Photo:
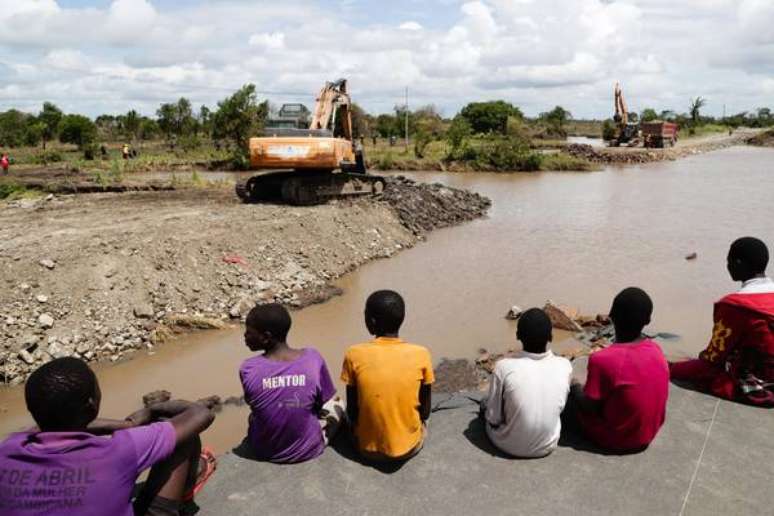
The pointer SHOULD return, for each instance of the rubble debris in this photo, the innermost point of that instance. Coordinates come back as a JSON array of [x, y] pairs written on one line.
[[129, 287], [562, 318], [48, 264]]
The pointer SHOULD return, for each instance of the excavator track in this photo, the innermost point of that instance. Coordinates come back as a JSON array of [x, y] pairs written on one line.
[[308, 188]]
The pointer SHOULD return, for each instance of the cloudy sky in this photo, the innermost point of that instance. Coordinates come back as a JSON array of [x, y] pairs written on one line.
[[109, 56]]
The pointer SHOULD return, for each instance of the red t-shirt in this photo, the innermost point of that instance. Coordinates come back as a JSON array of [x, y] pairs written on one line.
[[632, 382]]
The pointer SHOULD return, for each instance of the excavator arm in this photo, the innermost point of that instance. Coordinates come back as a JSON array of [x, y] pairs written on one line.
[[332, 106], [621, 113]]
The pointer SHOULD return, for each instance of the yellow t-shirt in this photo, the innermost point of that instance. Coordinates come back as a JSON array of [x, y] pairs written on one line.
[[388, 373]]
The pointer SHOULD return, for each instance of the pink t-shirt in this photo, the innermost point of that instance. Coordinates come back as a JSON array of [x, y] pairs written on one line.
[[632, 382], [76, 473]]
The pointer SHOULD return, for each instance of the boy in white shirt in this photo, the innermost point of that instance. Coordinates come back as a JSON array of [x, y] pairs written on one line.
[[527, 393]]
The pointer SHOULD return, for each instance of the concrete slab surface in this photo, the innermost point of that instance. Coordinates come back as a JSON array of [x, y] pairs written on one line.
[[711, 457]]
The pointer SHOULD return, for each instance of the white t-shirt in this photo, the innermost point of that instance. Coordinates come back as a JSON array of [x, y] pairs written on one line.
[[526, 397]]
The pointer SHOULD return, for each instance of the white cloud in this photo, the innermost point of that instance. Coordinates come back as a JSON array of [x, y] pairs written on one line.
[[136, 53], [272, 41], [410, 25]]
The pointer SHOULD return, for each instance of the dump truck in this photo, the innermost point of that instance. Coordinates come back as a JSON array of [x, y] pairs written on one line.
[[659, 134], [309, 165]]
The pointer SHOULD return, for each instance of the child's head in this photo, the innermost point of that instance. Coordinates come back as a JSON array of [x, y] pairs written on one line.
[[534, 330], [630, 313], [266, 326], [384, 312], [63, 395], [747, 258]]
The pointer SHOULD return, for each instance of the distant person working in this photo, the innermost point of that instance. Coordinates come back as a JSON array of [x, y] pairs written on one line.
[[738, 363], [527, 394]]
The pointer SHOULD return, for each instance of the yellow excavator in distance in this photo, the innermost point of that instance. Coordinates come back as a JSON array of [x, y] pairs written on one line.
[[627, 133], [309, 165]]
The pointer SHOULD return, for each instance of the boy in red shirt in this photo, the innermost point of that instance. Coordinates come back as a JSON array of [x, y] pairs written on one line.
[[623, 404], [4, 163], [738, 363]]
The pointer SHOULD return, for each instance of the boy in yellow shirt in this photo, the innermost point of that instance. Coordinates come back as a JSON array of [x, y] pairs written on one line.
[[388, 384]]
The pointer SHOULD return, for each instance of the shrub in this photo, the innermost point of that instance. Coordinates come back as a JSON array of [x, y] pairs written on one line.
[[190, 142], [46, 157]]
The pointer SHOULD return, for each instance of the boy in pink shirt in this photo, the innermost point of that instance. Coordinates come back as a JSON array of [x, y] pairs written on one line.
[[623, 403], [76, 464]]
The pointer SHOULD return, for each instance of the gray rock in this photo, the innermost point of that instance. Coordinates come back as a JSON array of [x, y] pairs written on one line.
[[41, 298], [47, 263], [143, 311], [55, 350], [46, 321], [26, 356]]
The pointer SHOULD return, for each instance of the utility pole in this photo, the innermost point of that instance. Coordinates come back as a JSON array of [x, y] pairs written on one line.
[[405, 116]]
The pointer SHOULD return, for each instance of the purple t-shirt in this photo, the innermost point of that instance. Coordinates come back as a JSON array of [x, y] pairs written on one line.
[[285, 399], [76, 473]]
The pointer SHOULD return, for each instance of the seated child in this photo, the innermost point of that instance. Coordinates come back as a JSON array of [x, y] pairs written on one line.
[[293, 411], [67, 466], [738, 363], [623, 404], [527, 394], [388, 384]]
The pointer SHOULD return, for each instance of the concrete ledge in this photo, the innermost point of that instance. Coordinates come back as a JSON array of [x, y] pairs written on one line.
[[459, 472]]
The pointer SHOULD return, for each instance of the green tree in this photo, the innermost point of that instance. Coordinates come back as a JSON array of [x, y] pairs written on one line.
[[608, 130], [13, 127], [107, 127], [185, 123], [50, 116], [458, 132], [648, 115], [490, 117], [33, 132], [239, 117], [387, 125], [166, 115], [78, 130], [556, 120], [205, 120], [131, 124], [695, 109], [359, 121], [148, 128]]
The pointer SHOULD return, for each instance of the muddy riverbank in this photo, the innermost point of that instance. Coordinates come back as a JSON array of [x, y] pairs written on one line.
[[100, 276]]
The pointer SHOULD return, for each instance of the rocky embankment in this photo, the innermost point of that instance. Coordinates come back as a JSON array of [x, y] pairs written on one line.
[[764, 139], [636, 155], [100, 276]]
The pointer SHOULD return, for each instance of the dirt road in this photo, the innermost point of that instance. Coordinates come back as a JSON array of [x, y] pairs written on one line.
[[102, 275]]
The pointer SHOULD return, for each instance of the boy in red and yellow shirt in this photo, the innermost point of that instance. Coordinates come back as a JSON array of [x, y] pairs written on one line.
[[738, 363]]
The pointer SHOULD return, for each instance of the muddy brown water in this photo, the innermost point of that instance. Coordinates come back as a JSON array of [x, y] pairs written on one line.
[[573, 238]]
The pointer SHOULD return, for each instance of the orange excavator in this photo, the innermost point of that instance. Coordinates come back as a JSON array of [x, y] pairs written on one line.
[[309, 165]]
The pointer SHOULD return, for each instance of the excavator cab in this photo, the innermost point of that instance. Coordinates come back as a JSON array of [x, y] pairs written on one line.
[[311, 165]]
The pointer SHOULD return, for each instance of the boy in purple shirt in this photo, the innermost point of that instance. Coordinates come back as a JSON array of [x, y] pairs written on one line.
[[294, 411], [76, 464]]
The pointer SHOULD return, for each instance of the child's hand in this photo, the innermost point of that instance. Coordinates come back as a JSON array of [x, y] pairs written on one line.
[[141, 417]]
